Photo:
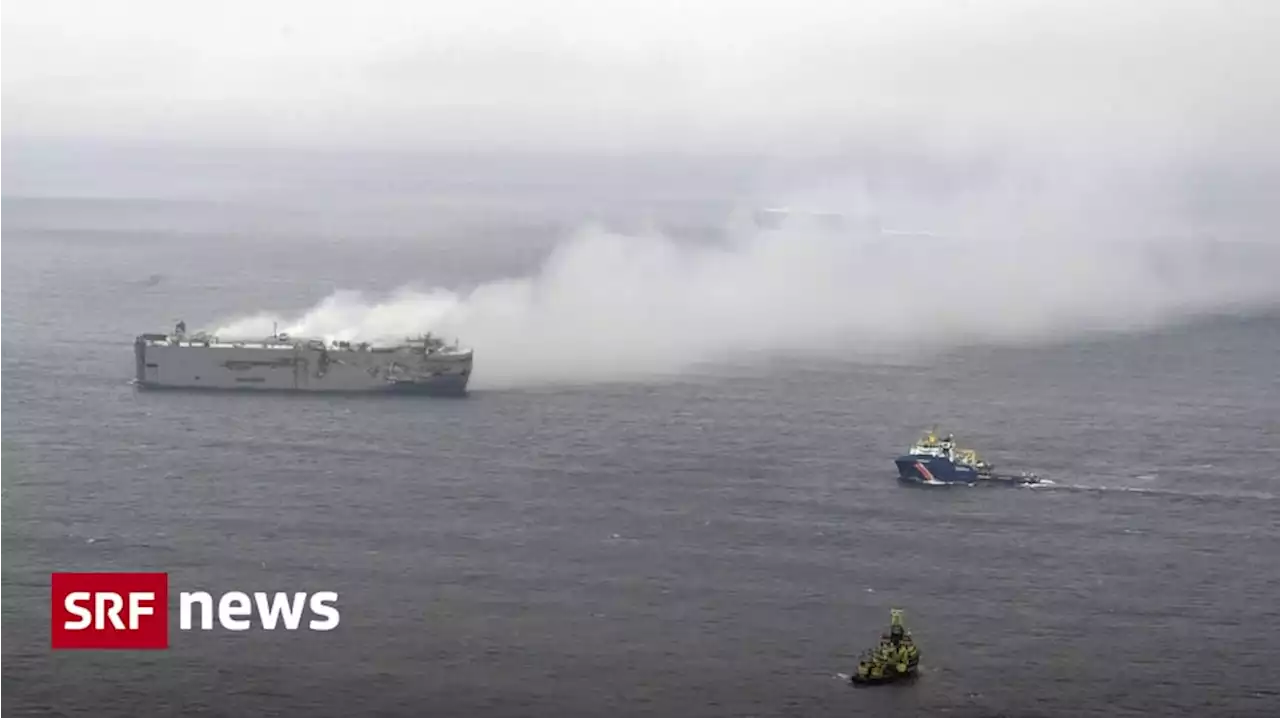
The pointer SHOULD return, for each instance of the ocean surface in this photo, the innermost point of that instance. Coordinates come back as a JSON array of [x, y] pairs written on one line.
[[715, 544]]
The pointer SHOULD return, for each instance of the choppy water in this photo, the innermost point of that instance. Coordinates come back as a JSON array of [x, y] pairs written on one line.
[[715, 546]]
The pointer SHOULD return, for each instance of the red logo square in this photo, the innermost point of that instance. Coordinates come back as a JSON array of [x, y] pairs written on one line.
[[110, 610]]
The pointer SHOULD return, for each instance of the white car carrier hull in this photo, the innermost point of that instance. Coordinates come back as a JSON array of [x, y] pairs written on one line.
[[282, 364]]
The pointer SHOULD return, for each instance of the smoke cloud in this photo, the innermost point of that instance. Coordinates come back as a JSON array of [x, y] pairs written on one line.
[[605, 306]]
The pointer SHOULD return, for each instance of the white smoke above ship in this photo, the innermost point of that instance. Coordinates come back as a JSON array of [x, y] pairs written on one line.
[[605, 305]]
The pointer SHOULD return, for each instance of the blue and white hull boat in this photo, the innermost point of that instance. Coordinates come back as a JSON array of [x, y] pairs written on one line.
[[934, 462]]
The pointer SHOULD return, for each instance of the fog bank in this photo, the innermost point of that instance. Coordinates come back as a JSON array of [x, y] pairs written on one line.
[[1163, 76]]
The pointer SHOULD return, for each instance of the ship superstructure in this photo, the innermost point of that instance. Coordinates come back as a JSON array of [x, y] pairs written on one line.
[[423, 364]]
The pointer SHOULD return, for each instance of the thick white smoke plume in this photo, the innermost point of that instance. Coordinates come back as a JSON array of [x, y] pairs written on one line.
[[605, 306]]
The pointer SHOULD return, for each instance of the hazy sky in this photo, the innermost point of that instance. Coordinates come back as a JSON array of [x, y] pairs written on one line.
[[796, 76]]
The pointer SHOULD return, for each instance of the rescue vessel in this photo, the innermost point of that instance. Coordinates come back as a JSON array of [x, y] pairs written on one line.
[[896, 659], [933, 462]]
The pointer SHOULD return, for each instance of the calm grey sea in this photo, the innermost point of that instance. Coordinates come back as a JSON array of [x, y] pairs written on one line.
[[717, 545]]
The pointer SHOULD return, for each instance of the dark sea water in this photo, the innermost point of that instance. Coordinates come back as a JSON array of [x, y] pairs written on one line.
[[715, 545]]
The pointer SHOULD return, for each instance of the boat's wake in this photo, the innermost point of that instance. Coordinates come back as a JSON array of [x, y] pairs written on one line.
[[1149, 491], [1054, 486]]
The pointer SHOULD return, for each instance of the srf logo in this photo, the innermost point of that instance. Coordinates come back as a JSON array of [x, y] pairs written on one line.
[[110, 610], [131, 610]]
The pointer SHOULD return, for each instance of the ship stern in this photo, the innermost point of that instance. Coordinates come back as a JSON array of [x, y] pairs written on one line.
[[445, 376], [444, 385]]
